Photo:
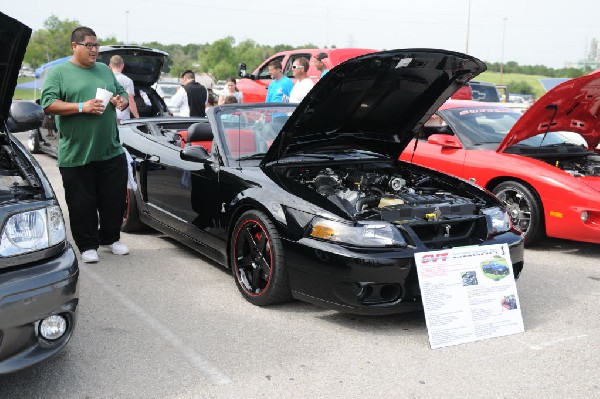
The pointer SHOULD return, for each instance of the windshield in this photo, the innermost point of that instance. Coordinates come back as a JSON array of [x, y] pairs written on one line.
[[490, 125], [250, 131]]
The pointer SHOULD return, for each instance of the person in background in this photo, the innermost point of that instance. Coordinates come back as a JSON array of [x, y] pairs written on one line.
[[230, 100], [211, 101], [192, 97], [116, 64], [280, 87], [320, 65], [303, 82], [231, 89], [91, 159]]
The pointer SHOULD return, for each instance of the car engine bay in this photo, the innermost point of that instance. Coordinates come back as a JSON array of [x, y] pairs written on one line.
[[16, 182], [405, 197], [581, 166]]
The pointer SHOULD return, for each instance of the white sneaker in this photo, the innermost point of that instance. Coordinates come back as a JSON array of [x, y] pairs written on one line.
[[117, 248], [89, 256]]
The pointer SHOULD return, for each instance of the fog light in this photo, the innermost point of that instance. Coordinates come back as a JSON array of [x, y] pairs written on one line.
[[584, 216], [53, 327]]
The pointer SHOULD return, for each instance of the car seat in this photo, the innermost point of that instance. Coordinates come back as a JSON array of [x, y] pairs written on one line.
[[241, 141], [199, 133]]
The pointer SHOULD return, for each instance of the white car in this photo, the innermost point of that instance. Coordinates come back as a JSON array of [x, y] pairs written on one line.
[[167, 90]]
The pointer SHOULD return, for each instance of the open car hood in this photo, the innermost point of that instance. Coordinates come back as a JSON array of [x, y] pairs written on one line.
[[143, 65], [572, 106], [14, 37], [375, 102]]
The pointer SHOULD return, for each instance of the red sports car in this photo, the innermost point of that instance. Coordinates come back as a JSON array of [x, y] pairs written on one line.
[[544, 164]]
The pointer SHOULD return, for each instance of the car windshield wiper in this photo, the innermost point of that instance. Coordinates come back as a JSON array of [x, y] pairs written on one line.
[[563, 144], [258, 155]]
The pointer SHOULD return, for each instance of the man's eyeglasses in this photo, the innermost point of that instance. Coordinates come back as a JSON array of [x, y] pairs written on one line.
[[89, 46], [297, 66]]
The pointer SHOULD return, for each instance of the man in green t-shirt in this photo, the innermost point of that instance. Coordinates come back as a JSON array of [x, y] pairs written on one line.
[[91, 160]]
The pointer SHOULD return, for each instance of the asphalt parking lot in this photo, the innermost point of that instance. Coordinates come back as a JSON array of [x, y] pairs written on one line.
[[164, 322]]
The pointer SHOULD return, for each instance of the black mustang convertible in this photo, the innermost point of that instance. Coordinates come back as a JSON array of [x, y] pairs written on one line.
[[309, 200]]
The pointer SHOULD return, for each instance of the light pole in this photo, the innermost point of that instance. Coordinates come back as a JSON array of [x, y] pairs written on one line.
[[502, 56], [126, 27], [468, 24]]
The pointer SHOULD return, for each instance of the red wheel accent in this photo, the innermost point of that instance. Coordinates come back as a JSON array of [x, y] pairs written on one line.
[[253, 257]]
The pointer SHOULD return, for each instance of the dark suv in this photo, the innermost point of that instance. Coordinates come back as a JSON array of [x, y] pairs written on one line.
[[484, 91], [143, 65], [38, 268]]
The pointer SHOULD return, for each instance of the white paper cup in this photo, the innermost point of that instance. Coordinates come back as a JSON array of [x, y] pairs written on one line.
[[104, 95]]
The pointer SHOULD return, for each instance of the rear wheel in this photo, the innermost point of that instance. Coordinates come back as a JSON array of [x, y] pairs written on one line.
[[131, 218], [33, 143], [257, 260], [524, 208]]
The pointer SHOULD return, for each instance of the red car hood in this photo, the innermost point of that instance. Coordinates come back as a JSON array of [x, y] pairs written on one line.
[[572, 106], [591, 181]]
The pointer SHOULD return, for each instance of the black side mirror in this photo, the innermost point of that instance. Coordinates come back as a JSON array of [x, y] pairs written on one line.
[[195, 153], [242, 72], [23, 116]]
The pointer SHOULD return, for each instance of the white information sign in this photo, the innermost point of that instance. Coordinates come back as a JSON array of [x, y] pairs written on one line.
[[469, 294]]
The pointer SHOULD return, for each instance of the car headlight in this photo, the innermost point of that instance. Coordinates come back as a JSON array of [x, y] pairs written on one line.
[[498, 220], [32, 230], [364, 233]]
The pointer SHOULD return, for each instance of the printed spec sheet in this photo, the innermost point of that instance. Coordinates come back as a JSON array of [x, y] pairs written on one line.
[[469, 294]]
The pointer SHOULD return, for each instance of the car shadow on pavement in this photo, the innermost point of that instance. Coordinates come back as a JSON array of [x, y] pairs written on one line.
[[584, 249]]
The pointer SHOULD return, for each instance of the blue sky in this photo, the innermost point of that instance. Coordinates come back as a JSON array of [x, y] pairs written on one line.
[[526, 31]]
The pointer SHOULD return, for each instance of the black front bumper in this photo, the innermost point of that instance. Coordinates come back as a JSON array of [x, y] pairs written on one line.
[[28, 294], [376, 282]]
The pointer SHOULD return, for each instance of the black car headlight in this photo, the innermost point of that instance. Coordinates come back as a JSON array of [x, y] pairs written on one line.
[[498, 220], [363, 233], [32, 231]]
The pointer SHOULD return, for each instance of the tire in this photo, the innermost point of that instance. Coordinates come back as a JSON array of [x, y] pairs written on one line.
[[131, 218], [33, 143], [257, 260], [524, 207]]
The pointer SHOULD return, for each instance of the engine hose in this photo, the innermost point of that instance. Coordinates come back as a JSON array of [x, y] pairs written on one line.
[[362, 202]]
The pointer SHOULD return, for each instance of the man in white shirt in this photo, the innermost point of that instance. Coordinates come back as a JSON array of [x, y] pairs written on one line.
[[303, 82], [116, 64], [191, 98]]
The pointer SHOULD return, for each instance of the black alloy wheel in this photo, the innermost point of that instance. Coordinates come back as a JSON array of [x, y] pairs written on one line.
[[524, 207], [257, 261], [131, 218]]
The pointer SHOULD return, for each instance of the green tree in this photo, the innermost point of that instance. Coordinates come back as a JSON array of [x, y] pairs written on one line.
[[50, 43], [218, 58], [53, 41], [521, 87]]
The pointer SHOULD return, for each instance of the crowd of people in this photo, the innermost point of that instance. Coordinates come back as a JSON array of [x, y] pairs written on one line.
[[281, 88]]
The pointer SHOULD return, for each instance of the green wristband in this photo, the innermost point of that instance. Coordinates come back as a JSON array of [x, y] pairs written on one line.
[[80, 107]]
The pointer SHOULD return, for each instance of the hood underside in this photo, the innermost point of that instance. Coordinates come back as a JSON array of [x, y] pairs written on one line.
[[143, 65], [374, 102], [573, 106], [14, 37]]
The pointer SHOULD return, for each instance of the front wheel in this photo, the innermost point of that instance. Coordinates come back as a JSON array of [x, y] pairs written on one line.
[[33, 143], [524, 207], [257, 260]]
